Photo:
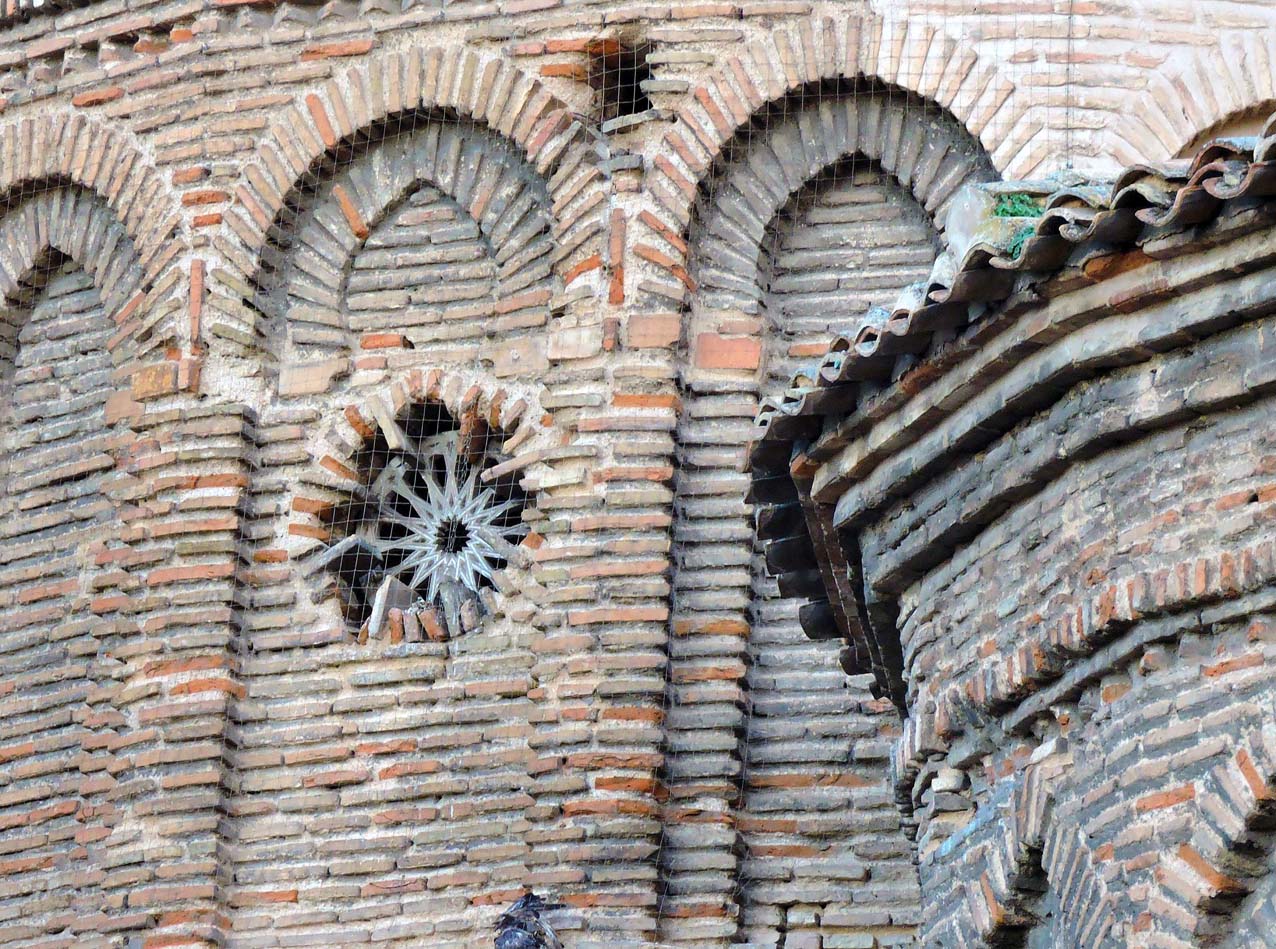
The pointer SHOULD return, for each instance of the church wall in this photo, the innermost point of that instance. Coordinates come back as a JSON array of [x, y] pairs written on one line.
[[295, 221], [1083, 601]]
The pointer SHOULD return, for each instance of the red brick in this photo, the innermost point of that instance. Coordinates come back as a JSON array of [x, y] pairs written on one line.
[[338, 49], [1219, 882], [330, 779], [155, 380], [262, 897], [1249, 661], [97, 97], [653, 330], [576, 71], [208, 196], [322, 124], [204, 571], [1161, 799], [592, 262], [385, 341], [357, 225], [648, 253], [713, 351]]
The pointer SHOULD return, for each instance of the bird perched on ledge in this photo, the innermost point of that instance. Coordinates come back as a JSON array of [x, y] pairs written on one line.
[[521, 926]]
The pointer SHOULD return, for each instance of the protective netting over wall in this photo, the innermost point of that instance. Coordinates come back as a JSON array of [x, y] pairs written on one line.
[[418, 541], [831, 201], [376, 384]]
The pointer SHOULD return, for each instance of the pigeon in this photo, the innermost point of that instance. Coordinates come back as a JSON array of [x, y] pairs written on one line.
[[521, 927]]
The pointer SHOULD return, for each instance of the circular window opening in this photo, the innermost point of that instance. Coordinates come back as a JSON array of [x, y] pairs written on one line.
[[432, 523]]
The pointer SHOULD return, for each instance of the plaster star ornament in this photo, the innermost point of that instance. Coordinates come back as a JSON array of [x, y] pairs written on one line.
[[429, 531], [453, 534]]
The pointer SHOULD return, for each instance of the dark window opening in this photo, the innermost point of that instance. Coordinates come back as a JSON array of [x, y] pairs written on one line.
[[429, 526], [618, 71], [453, 536]]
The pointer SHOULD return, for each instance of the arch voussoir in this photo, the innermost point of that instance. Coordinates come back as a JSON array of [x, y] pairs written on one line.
[[75, 184], [363, 104], [918, 58]]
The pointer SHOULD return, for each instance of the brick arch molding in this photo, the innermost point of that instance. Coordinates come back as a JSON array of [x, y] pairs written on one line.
[[1234, 806], [78, 223], [745, 188], [1210, 880], [1200, 92], [68, 153], [458, 80], [508, 204], [912, 56], [995, 908], [929, 156]]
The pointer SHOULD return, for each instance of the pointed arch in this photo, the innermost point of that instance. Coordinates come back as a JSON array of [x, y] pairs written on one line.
[[455, 181], [76, 154], [924, 150], [1016, 875], [323, 128], [1246, 122], [803, 54], [68, 220], [767, 166], [69, 266], [1183, 104]]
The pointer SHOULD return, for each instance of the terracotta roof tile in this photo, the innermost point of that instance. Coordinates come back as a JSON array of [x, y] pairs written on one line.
[[1010, 244], [995, 252]]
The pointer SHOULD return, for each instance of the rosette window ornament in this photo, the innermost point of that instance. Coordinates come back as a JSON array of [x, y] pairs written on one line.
[[430, 526]]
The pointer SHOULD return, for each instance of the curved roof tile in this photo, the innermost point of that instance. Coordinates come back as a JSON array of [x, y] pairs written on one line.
[[995, 252]]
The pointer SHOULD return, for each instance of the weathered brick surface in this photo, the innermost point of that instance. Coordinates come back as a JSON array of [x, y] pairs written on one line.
[[68, 731], [116, 670], [1082, 593], [237, 236], [811, 822]]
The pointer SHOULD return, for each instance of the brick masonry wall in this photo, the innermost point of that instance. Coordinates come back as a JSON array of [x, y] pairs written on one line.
[[1087, 638], [850, 240], [825, 854], [1144, 727], [808, 820], [56, 712], [275, 223], [745, 270]]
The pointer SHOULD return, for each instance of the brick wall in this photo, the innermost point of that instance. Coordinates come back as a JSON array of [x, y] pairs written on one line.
[[57, 711], [1083, 597], [825, 854], [238, 236]]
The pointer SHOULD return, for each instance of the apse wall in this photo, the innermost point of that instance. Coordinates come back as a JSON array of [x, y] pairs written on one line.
[[1088, 581]]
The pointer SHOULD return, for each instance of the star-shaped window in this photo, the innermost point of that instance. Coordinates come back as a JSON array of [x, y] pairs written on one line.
[[430, 525]]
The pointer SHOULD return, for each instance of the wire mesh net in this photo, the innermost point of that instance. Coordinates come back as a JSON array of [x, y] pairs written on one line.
[[817, 210], [821, 213], [415, 547]]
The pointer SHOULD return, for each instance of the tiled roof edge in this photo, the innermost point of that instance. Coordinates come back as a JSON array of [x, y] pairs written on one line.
[[995, 252]]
